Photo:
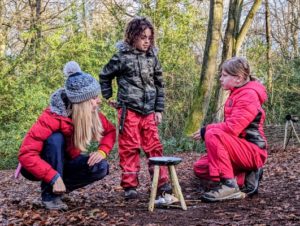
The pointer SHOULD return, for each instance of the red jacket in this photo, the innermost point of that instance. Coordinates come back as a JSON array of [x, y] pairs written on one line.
[[244, 115], [48, 123]]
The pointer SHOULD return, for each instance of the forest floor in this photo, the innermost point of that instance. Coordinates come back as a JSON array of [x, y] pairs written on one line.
[[102, 203]]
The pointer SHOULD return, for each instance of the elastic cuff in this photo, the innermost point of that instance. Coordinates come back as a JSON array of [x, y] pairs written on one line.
[[54, 179], [104, 155]]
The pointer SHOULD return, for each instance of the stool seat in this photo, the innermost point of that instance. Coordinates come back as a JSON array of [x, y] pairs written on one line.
[[165, 161], [169, 162]]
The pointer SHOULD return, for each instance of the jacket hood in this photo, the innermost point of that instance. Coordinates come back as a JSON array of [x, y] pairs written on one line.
[[123, 46], [259, 88], [59, 103]]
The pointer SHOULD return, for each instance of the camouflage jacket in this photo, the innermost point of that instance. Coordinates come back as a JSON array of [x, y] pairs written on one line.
[[139, 78]]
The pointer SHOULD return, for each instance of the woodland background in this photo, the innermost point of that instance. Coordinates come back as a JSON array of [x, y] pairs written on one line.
[[37, 37]]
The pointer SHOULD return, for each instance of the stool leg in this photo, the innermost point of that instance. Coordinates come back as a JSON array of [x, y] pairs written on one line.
[[174, 189], [154, 188], [177, 187]]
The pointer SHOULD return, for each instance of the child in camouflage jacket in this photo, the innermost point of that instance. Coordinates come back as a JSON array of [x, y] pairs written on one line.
[[140, 102]]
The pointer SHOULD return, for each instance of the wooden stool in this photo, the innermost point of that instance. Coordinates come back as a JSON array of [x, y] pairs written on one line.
[[170, 162]]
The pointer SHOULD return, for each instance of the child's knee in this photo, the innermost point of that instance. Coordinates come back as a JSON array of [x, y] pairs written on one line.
[[100, 170], [214, 133]]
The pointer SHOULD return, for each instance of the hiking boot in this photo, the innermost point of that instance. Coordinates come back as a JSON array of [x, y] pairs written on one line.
[[206, 185], [252, 182], [55, 204], [165, 188], [130, 193], [227, 190]]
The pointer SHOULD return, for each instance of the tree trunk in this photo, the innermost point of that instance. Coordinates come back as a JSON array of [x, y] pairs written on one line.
[[2, 33], [294, 24], [203, 93], [269, 45], [235, 38], [231, 33], [242, 34]]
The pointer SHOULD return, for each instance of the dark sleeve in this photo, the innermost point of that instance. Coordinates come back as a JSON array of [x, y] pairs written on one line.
[[202, 132], [108, 73], [160, 86]]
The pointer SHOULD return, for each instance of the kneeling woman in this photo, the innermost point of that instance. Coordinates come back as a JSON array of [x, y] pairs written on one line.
[[52, 149]]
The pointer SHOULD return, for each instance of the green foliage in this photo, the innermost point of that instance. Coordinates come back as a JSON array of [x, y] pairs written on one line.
[[28, 77], [173, 145], [26, 84]]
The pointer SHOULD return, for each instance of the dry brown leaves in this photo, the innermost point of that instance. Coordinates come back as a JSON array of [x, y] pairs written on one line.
[[102, 203]]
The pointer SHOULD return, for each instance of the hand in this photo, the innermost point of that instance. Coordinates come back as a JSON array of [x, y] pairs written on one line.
[[112, 103], [158, 117], [94, 158], [197, 135], [59, 186]]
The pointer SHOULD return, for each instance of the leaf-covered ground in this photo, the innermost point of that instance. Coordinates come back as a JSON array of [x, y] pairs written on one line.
[[102, 203]]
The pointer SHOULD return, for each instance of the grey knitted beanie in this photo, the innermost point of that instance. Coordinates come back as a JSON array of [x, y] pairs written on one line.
[[79, 86]]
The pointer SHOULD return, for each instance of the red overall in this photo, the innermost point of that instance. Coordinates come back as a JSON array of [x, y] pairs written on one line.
[[228, 154], [140, 131]]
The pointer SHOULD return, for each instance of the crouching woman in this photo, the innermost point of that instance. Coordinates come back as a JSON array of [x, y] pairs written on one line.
[[53, 150]]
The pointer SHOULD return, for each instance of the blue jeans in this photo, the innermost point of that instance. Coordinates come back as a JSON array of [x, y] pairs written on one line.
[[76, 173]]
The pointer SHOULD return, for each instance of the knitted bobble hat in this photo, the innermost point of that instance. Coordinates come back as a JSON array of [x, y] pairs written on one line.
[[79, 86]]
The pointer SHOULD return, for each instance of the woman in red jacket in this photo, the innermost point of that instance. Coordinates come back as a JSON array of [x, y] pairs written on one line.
[[236, 147], [52, 149]]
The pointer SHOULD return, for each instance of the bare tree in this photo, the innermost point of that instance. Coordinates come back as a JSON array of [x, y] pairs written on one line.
[[285, 15]]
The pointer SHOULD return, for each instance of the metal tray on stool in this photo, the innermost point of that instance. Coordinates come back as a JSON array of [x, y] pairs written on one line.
[[165, 160]]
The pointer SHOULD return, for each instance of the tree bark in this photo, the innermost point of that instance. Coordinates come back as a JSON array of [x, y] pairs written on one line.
[[2, 32], [243, 31], [231, 33], [203, 94], [269, 45], [294, 25], [234, 38]]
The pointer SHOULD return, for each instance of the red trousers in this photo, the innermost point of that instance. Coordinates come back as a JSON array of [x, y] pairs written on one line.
[[140, 131], [228, 157]]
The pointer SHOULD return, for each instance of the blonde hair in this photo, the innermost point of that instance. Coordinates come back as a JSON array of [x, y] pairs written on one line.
[[238, 66], [87, 124]]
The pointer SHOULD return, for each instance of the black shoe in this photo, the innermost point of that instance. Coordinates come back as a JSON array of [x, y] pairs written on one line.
[[252, 182], [130, 193], [165, 188]]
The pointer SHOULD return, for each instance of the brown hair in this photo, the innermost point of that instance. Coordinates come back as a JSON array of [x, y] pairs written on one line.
[[87, 124], [135, 28], [238, 66]]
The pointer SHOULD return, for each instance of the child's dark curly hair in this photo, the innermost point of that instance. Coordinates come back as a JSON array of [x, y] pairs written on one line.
[[136, 27]]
